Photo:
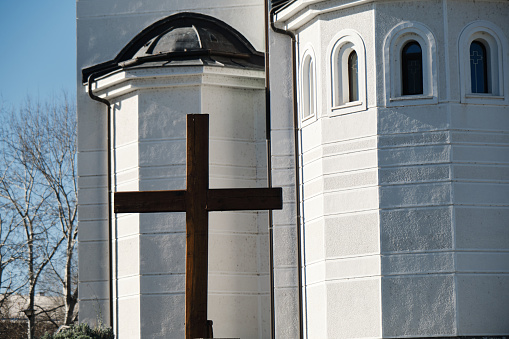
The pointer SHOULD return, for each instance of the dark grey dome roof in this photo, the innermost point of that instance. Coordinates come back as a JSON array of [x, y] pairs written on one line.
[[191, 38], [278, 2], [178, 39], [183, 36]]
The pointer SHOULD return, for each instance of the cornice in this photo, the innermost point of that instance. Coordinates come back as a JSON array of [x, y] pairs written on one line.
[[124, 82], [297, 13], [300, 12]]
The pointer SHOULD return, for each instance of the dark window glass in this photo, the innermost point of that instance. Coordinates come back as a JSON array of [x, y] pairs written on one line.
[[411, 68], [308, 88], [311, 92], [353, 77], [478, 67]]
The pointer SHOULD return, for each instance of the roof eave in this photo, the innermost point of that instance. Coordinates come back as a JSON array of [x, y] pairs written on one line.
[[296, 14]]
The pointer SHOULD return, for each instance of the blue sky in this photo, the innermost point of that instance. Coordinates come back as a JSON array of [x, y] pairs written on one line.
[[38, 49]]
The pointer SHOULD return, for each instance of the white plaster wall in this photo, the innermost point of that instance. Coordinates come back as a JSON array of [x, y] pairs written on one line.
[[93, 213], [340, 195], [340, 203], [480, 151], [415, 197], [127, 227], [285, 233], [160, 257], [239, 287], [432, 195], [481, 163], [439, 170]]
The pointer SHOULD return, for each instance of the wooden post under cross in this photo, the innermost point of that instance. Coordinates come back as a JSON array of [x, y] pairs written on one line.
[[197, 200]]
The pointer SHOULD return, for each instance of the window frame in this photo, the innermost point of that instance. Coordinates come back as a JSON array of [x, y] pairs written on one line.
[[339, 50], [308, 89], [397, 38], [495, 44]]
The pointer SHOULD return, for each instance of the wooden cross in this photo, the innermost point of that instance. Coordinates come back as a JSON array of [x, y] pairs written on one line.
[[197, 200]]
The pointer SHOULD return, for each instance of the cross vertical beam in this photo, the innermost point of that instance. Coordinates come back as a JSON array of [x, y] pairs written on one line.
[[197, 225]]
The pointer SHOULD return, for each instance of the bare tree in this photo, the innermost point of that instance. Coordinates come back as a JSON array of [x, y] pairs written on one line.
[[10, 252], [38, 187], [54, 155]]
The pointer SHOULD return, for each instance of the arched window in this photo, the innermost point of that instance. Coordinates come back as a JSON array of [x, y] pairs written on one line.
[[410, 65], [308, 87], [347, 69], [478, 67], [353, 77], [411, 68], [483, 77]]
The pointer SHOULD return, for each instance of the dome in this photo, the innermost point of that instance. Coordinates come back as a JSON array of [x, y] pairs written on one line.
[[179, 39], [184, 36], [191, 38]]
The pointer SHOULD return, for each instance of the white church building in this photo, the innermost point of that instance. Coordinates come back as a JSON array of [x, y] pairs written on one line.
[[385, 122]]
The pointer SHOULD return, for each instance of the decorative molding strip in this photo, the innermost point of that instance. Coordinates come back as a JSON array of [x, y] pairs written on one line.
[[127, 81]]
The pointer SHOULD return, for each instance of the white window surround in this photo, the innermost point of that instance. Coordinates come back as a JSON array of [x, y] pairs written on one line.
[[339, 49], [308, 86], [394, 42], [494, 40]]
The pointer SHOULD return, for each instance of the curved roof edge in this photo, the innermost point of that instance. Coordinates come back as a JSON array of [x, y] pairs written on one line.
[[231, 45]]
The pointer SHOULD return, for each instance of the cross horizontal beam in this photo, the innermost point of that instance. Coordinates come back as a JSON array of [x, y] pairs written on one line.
[[225, 199], [150, 201], [239, 199]]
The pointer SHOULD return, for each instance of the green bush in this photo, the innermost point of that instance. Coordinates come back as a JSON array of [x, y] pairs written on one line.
[[82, 331]]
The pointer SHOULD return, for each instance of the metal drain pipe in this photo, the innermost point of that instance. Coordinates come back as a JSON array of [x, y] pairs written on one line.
[[269, 168], [94, 97]]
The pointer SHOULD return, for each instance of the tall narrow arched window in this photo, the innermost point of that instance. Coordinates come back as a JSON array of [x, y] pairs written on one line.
[[478, 67], [353, 77], [482, 73], [411, 69], [308, 87], [410, 65], [347, 68]]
